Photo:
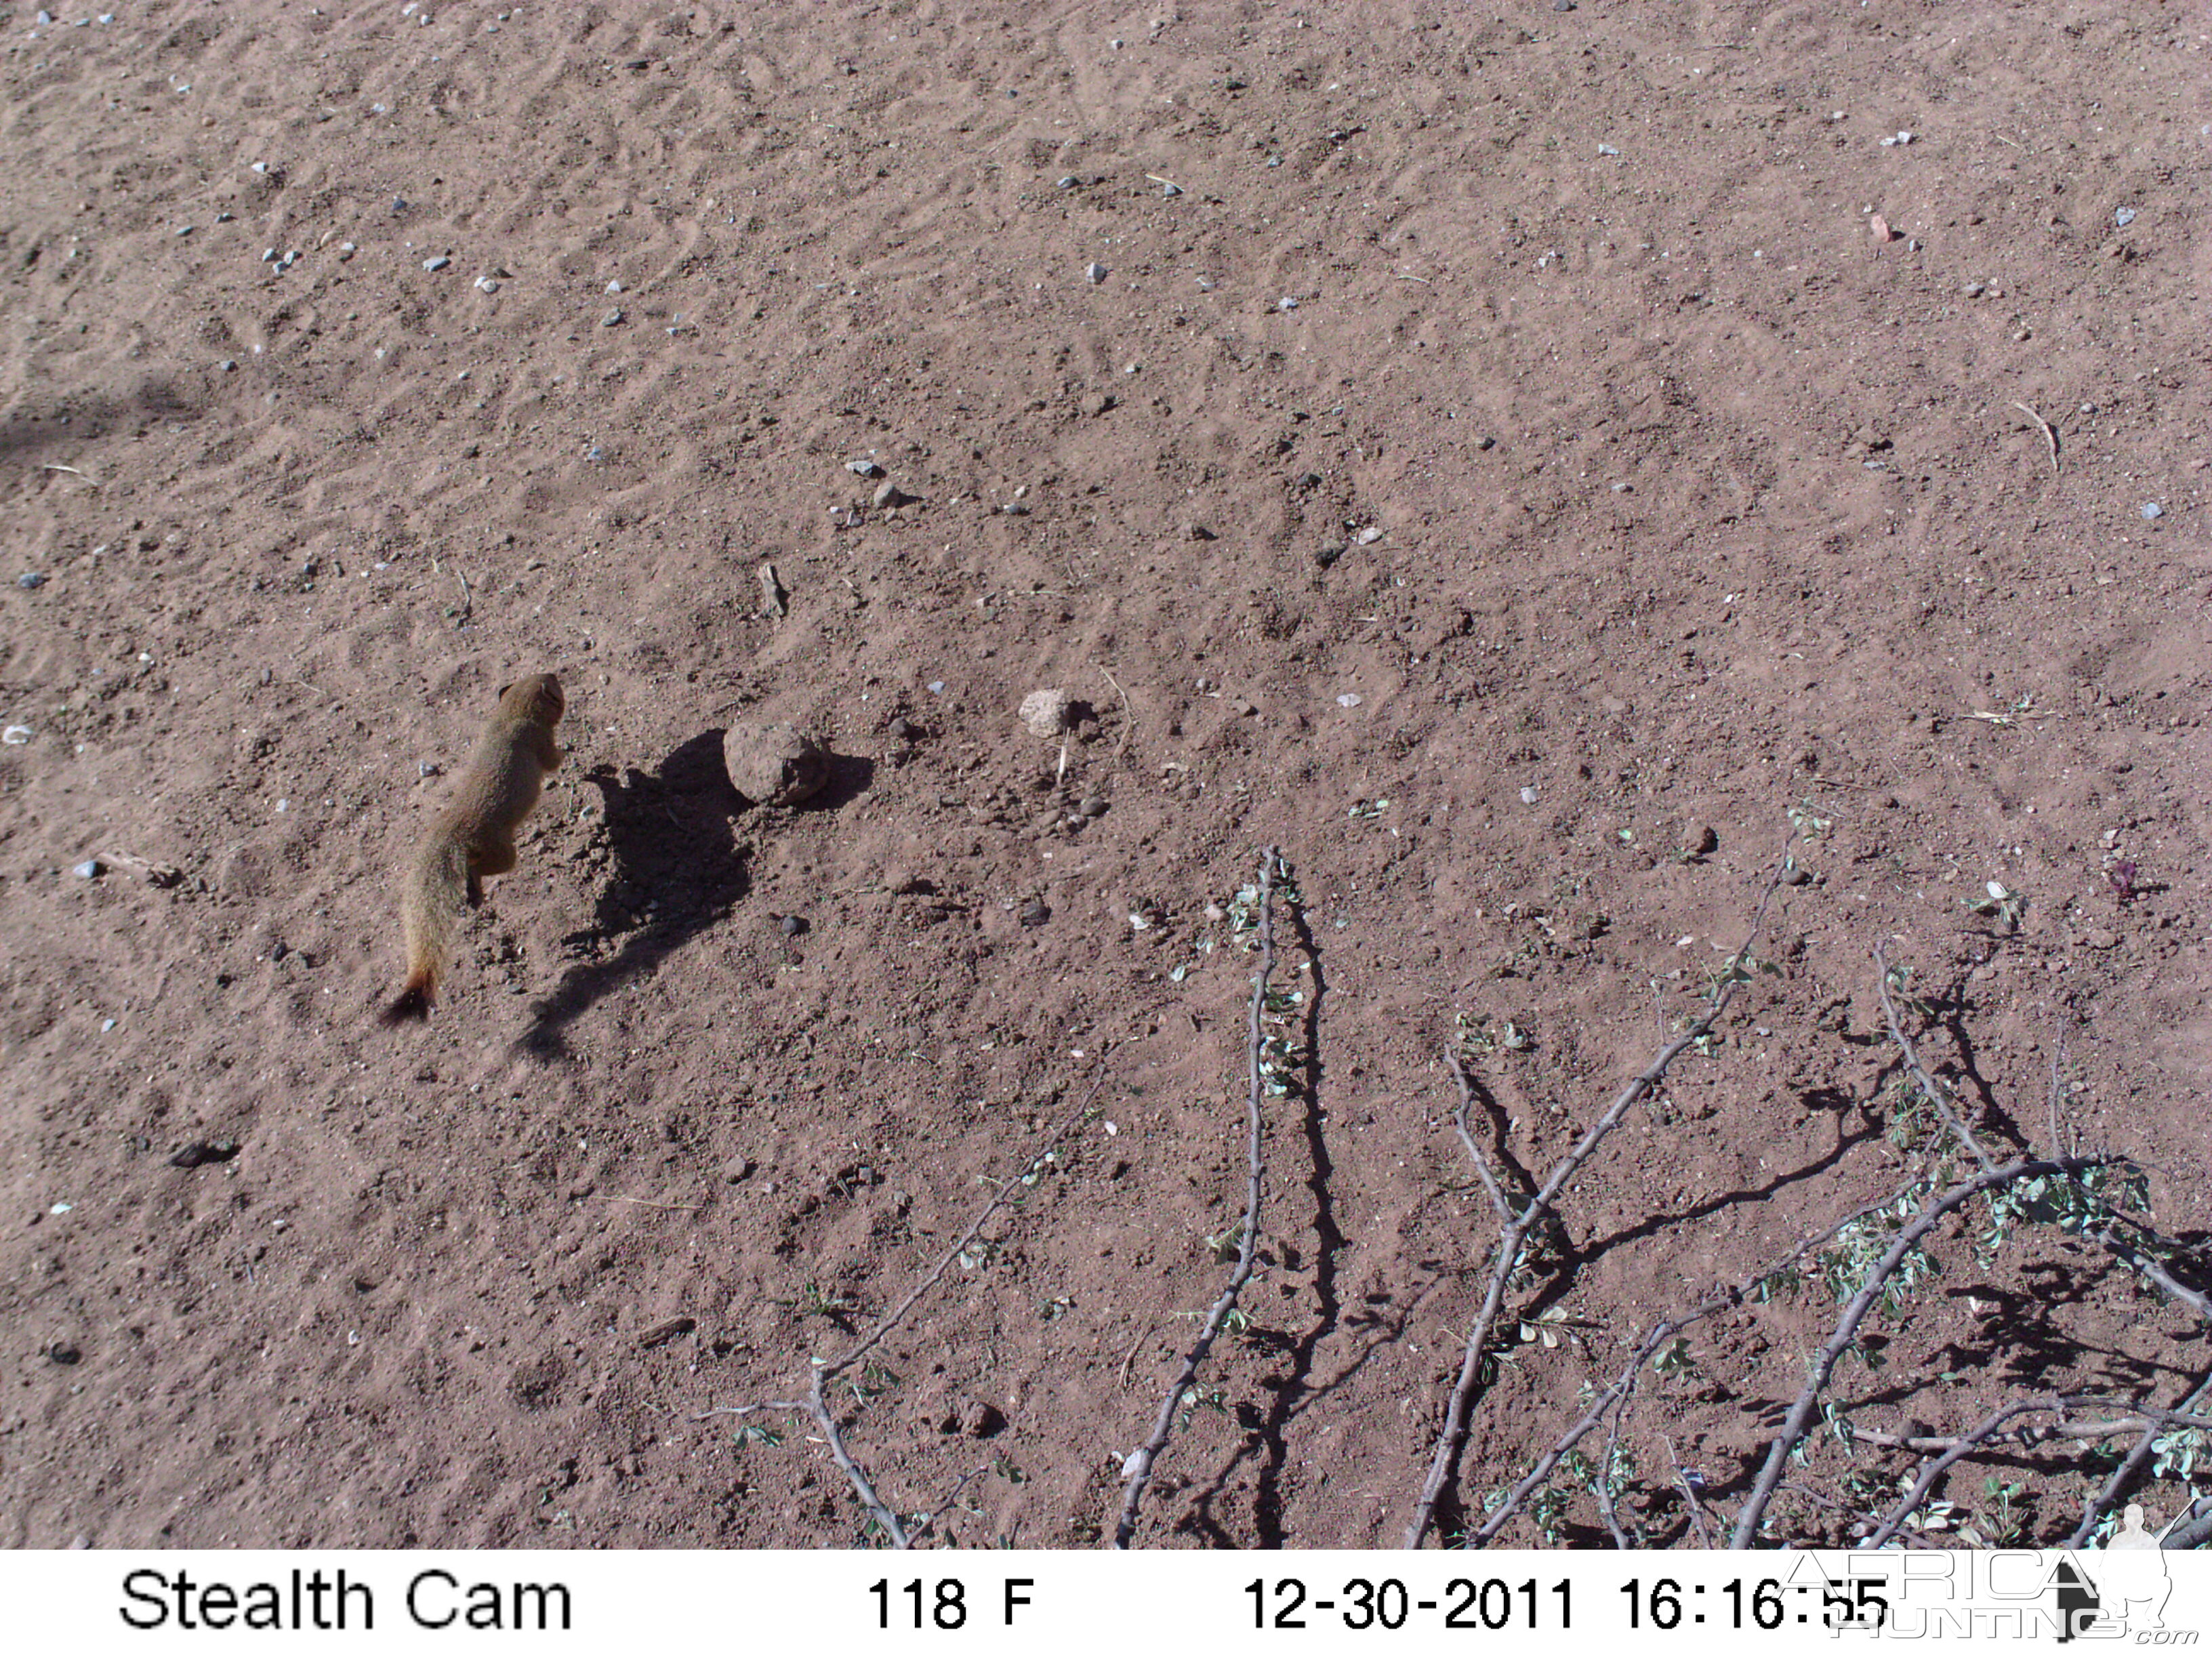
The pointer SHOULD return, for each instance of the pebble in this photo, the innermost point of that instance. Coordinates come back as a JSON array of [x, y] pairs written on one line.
[[31, 579], [614, 286], [1527, 794], [1607, 149], [43, 18], [228, 365], [889, 496], [1036, 914], [2101, 938], [1370, 536], [488, 284], [791, 927], [1288, 302], [437, 262], [184, 230], [15, 734], [2124, 216], [428, 768], [1326, 557], [89, 869], [2153, 510], [1046, 712], [613, 318], [1095, 271], [1974, 290], [903, 729], [1068, 183], [1090, 807], [866, 469], [738, 1169], [1349, 699]]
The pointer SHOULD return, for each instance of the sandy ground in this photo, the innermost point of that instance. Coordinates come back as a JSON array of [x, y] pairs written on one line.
[[1512, 470]]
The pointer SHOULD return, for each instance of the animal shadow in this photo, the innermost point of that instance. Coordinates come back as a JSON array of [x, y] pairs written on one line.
[[678, 869]]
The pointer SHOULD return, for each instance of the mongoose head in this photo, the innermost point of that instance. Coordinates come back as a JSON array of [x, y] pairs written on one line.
[[537, 698]]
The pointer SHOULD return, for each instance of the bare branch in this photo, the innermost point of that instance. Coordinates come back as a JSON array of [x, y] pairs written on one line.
[[2196, 1301], [1660, 1334], [1935, 1091], [1138, 1467], [2131, 1469], [1695, 1510], [1824, 1364], [1467, 1140], [1515, 1234], [817, 1407], [1965, 1446]]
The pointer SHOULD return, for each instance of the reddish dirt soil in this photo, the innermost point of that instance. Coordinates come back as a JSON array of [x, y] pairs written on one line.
[[1511, 454]]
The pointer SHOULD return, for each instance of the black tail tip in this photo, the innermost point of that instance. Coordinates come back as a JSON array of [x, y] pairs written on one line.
[[411, 1004]]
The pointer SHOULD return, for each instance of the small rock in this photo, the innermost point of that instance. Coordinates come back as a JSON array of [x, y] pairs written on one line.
[[1197, 533], [1369, 536], [1068, 182], [1349, 699], [1288, 302], [31, 581], [1527, 794], [774, 598], [791, 927], [1092, 807], [979, 1419], [614, 286], [228, 365], [1562, 5], [428, 768], [1095, 271], [866, 469], [888, 496], [1036, 914], [15, 734], [736, 1169], [1700, 839], [902, 730], [1326, 556], [89, 869], [2101, 938], [1046, 713], [488, 284], [2153, 510], [65, 1353], [2124, 216], [438, 262], [1795, 874], [192, 1154], [613, 318], [773, 764]]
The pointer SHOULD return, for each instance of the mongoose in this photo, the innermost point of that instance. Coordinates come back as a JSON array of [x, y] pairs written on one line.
[[474, 836]]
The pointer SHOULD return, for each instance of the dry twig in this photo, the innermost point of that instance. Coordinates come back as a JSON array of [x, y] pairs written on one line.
[[1929, 1086], [816, 1408], [1516, 1232], [1467, 1140], [1139, 1466], [1940, 1205], [1660, 1334], [2049, 436], [1932, 1471]]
